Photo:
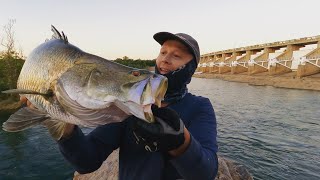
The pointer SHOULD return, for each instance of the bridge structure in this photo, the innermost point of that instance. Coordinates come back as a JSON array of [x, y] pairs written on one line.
[[296, 55]]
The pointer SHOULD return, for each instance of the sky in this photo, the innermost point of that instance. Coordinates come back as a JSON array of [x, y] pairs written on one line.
[[113, 29]]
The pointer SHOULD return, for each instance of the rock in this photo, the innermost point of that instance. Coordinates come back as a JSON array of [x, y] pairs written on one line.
[[228, 170], [108, 170]]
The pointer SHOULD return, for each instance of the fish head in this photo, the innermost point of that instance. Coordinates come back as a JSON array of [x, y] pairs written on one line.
[[97, 84], [132, 90]]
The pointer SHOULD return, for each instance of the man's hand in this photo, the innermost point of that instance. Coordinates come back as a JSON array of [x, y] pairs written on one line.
[[69, 128], [168, 134], [25, 101]]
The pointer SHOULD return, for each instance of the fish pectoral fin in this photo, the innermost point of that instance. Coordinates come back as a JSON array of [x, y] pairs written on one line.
[[55, 127], [24, 91], [23, 119]]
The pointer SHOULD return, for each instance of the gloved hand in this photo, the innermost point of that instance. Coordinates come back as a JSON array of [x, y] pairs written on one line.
[[166, 134]]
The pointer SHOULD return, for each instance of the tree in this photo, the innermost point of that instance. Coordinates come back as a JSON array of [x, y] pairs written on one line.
[[138, 63], [8, 42], [11, 61], [125, 58]]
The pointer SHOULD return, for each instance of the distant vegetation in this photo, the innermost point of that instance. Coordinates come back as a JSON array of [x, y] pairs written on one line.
[[138, 63], [11, 61], [10, 67]]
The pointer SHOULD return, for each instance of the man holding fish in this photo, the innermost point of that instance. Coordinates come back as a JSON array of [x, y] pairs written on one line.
[[181, 143]]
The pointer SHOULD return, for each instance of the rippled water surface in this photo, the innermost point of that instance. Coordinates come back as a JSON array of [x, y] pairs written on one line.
[[274, 132]]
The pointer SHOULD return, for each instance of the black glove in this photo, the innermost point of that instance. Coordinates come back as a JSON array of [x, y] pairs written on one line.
[[166, 134]]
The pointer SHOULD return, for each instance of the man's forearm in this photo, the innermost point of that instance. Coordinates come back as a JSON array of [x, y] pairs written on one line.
[[196, 162], [177, 152], [82, 152]]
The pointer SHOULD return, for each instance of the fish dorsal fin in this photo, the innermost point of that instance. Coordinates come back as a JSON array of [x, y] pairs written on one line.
[[24, 119], [58, 35]]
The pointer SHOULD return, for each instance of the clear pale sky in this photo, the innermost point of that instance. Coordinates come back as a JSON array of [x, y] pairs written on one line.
[[120, 28]]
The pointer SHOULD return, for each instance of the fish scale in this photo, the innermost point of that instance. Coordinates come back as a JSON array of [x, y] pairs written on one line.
[[68, 85]]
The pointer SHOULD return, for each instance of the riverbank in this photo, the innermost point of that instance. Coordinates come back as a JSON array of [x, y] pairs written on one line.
[[288, 80]]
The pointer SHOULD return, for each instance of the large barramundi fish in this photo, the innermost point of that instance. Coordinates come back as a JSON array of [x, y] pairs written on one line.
[[68, 85]]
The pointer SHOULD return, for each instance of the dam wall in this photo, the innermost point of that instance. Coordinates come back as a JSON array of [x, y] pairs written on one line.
[[299, 57]]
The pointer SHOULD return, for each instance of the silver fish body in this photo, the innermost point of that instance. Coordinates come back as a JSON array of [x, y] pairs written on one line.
[[68, 85]]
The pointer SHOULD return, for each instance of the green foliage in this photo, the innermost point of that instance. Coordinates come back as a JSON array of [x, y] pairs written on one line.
[[10, 67], [138, 63]]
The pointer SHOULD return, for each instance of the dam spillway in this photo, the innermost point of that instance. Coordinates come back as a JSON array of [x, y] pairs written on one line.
[[301, 56]]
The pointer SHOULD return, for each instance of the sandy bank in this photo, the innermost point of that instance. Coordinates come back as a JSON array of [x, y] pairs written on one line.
[[263, 79]]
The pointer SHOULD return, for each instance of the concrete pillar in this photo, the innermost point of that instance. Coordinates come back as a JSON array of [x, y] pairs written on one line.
[[246, 58], [307, 70], [211, 58], [222, 58], [287, 55], [314, 54], [225, 56], [233, 57], [214, 58], [224, 69], [214, 69], [255, 69], [201, 59], [278, 69], [238, 69], [265, 55]]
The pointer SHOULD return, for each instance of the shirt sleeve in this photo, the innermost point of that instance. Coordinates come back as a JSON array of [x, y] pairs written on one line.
[[200, 161], [87, 152]]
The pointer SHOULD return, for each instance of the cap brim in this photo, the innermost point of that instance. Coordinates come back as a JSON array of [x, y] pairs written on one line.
[[162, 37]]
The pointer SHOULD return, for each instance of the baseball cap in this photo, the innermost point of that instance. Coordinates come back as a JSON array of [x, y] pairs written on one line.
[[185, 39]]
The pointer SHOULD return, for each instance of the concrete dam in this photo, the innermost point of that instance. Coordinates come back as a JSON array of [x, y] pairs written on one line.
[[298, 56]]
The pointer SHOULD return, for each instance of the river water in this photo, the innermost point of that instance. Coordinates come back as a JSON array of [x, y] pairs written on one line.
[[273, 132]]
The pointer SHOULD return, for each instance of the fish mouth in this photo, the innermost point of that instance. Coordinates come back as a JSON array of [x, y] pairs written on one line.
[[158, 95], [160, 92], [148, 113], [144, 94]]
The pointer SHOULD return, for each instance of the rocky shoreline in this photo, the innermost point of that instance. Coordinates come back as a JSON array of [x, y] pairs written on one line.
[[288, 80], [109, 170]]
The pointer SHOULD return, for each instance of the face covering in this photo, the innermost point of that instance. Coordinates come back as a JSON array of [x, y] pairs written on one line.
[[178, 80]]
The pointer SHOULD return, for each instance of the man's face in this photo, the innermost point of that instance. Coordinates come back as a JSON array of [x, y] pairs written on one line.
[[173, 54]]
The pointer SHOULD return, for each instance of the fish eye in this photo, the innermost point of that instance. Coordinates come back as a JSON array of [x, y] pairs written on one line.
[[136, 73]]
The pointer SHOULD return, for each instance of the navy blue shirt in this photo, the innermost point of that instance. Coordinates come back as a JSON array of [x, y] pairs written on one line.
[[87, 152]]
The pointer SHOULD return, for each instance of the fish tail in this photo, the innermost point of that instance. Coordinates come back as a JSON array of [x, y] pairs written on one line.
[[23, 119], [27, 117]]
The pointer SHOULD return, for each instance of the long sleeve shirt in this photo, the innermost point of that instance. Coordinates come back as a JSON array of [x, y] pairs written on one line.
[[87, 152]]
